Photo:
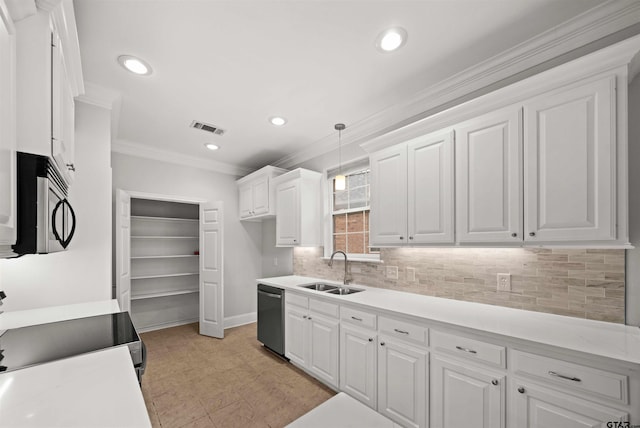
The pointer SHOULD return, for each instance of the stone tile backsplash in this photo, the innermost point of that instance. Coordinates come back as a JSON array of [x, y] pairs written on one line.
[[583, 283]]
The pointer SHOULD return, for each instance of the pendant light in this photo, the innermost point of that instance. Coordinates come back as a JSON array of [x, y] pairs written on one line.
[[340, 180]]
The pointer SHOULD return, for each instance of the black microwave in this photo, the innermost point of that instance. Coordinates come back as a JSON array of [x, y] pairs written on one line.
[[45, 219]]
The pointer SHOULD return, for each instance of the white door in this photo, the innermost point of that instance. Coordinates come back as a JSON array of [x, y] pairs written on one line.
[[211, 270], [323, 348], [570, 173], [402, 383], [358, 364], [296, 334], [260, 190], [123, 249], [288, 213], [536, 407], [466, 396], [430, 189], [7, 136], [388, 216], [489, 178]]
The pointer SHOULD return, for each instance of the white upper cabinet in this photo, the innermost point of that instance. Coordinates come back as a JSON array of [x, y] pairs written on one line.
[[570, 168], [298, 213], [256, 194], [49, 76], [7, 133], [412, 192], [489, 178]]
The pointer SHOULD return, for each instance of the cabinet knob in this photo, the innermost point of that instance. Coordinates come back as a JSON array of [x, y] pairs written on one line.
[[532, 234], [521, 390], [402, 237], [71, 167], [494, 382], [381, 343], [295, 240], [371, 339], [309, 318], [514, 235], [411, 238], [304, 316]]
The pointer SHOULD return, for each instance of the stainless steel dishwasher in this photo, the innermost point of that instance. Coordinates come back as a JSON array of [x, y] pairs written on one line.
[[271, 318]]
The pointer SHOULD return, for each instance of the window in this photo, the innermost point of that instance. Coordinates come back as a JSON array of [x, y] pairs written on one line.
[[350, 216]]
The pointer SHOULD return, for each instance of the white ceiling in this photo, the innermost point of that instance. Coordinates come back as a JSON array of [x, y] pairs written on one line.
[[236, 63]]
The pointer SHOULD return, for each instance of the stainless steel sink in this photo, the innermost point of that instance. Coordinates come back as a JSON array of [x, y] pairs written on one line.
[[320, 287], [344, 291]]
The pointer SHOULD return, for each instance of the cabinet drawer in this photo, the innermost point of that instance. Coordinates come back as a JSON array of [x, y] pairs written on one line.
[[465, 347], [404, 330], [295, 299], [325, 308], [356, 317], [576, 377]]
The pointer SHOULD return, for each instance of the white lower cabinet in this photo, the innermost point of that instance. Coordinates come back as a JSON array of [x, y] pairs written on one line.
[[358, 364], [539, 407], [466, 395], [312, 337], [402, 382]]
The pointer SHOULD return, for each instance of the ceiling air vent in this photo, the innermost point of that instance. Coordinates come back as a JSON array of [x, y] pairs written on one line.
[[207, 127]]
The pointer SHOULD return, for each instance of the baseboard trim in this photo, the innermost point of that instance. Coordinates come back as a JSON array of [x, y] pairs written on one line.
[[242, 319]]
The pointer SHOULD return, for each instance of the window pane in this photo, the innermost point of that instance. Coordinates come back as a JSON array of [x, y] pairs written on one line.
[[359, 179], [340, 242], [340, 201], [340, 223], [358, 197], [355, 243], [355, 222]]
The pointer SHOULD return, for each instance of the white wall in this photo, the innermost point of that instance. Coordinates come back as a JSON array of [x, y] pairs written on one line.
[[83, 272], [242, 240], [275, 261]]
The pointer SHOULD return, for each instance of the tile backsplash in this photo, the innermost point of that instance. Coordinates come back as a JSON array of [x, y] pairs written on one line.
[[583, 283]]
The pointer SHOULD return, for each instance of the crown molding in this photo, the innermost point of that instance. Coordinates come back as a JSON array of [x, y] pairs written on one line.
[[601, 21], [47, 5], [99, 96], [144, 151], [20, 9]]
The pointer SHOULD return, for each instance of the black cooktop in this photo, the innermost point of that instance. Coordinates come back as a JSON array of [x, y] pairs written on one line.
[[37, 344]]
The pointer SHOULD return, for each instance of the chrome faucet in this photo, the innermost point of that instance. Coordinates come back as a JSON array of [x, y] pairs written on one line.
[[346, 280]]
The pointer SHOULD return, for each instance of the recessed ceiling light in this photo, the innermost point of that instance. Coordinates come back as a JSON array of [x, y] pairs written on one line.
[[135, 65], [211, 146], [391, 39], [277, 120]]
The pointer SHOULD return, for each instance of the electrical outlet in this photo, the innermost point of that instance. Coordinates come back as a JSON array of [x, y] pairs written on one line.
[[392, 272], [504, 282], [411, 274]]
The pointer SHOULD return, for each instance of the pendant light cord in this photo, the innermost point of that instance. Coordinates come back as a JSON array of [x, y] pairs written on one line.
[[339, 127]]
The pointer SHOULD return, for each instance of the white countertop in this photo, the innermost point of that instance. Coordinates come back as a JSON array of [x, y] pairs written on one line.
[[99, 389], [599, 338], [342, 411], [16, 319]]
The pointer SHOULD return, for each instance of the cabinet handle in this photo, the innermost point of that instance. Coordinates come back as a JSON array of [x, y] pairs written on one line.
[[356, 318], [400, 331], [561, 376], [371, 339], [381, 343], [71, 167], [494, 382], [402, 237], [532, 234], [514, 235], [521, 390], [470, 351]]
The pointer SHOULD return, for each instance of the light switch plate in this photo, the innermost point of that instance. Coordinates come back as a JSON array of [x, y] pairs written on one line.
[[392, 272], [504, 282]]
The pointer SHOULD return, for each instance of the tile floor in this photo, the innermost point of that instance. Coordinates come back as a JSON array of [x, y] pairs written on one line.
[[198, 381]]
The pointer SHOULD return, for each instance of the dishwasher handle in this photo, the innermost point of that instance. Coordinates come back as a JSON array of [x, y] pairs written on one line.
[[275, 296]]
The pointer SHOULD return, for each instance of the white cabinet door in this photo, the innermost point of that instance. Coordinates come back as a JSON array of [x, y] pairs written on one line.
[[536, 407], [260, 190], [288, 213], [358, 364], [430, 189], [489, 178], [7, 135], [245, 200], [323, 348], [402, 382], [463, 395], [570, 173], [388, 217], [296, 335]]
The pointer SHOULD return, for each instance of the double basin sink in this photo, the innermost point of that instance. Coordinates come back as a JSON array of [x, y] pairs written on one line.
[[332, 289]]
